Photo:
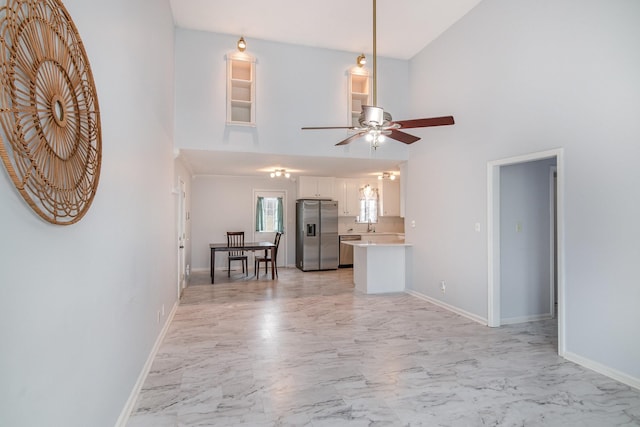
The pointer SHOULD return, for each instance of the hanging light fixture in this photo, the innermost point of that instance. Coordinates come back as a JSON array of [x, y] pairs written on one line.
[[361, 61], [242, 45], [387, 175], [278, 173]]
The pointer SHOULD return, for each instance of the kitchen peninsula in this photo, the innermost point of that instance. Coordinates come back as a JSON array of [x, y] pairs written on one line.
[[379, 267]]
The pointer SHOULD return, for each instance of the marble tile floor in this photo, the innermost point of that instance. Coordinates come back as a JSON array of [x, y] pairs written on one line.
[[310, 350]]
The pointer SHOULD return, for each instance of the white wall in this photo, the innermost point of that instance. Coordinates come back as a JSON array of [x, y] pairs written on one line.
[[79, 303], [525, 241], [295, 87], [524, 77], [226, 203]]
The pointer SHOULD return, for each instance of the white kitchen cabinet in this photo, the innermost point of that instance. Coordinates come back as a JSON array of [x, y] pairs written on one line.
[[241, 92], [389, 193], [347, 195], [316, 187]]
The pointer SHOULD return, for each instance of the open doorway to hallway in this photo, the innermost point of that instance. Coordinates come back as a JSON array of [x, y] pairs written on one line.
[[525, 240]]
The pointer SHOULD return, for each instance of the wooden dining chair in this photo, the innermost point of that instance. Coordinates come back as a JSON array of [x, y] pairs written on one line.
[[267, 258], [236, 239]]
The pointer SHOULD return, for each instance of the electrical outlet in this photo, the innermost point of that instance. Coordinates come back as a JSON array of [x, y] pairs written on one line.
[[443, 286]]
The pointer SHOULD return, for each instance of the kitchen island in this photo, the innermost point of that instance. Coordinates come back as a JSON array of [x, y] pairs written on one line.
[[379, 267]]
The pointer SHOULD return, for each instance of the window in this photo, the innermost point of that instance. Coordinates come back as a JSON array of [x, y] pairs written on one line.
[[368, 205], [269, 214]]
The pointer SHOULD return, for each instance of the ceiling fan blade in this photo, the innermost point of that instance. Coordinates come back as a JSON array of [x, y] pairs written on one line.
[[423, 123], [328, 127], [351, 138], [403, 137]]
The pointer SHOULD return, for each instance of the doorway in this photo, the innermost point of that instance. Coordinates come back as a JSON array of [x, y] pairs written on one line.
[[272, 201], [498, 235], [182, 236]]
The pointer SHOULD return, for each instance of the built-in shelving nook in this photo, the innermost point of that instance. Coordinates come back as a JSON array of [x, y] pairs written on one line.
[[241, 89], [359, 93]]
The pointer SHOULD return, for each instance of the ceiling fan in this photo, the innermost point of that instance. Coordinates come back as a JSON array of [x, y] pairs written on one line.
[[376, 124]]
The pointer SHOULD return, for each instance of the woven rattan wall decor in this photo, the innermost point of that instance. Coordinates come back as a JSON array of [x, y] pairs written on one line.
[[50, 137]]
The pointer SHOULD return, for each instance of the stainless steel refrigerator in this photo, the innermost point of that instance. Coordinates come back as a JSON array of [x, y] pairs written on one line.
[[316, 234]]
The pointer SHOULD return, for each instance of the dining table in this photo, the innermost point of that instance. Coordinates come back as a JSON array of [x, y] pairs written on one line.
[[247, 247]]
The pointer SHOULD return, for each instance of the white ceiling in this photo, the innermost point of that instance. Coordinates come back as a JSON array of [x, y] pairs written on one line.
[[260, 164], [404, 28]]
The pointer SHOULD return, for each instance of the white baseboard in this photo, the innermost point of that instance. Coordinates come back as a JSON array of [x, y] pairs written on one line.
[[603, 369], [524, 319], [128, 407], [449, 307]]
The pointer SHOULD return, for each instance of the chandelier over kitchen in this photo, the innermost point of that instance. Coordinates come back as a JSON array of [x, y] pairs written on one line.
[[387, 175], [279, 173]]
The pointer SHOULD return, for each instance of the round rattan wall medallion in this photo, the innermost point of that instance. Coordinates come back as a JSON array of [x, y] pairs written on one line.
[[50, 137]]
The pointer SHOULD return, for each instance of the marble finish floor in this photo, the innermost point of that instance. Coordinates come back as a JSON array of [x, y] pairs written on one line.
[[309, 350]]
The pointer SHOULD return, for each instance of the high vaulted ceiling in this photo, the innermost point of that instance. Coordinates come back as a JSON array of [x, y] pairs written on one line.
[[404, 27]]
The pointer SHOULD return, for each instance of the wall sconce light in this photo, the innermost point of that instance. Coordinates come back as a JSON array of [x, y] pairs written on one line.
[[361, 60], [242, 45], [387, 175], [277, 173]]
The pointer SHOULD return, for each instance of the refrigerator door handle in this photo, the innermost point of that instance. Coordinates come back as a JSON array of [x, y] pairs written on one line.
[[311, 230]]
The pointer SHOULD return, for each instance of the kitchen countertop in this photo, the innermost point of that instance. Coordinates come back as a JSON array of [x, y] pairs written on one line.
[[373, 233], [361, 243]]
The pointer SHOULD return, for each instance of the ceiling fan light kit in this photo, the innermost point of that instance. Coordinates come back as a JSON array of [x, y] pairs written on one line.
[[375, 123]]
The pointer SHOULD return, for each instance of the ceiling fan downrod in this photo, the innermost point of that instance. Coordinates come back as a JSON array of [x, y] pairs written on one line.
[[375, 59]]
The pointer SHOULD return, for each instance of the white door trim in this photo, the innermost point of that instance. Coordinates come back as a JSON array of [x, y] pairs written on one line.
[[552, 239], [493, 236]]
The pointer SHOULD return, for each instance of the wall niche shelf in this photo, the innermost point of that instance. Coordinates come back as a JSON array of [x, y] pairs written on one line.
[[241, 89], [359, 93]]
